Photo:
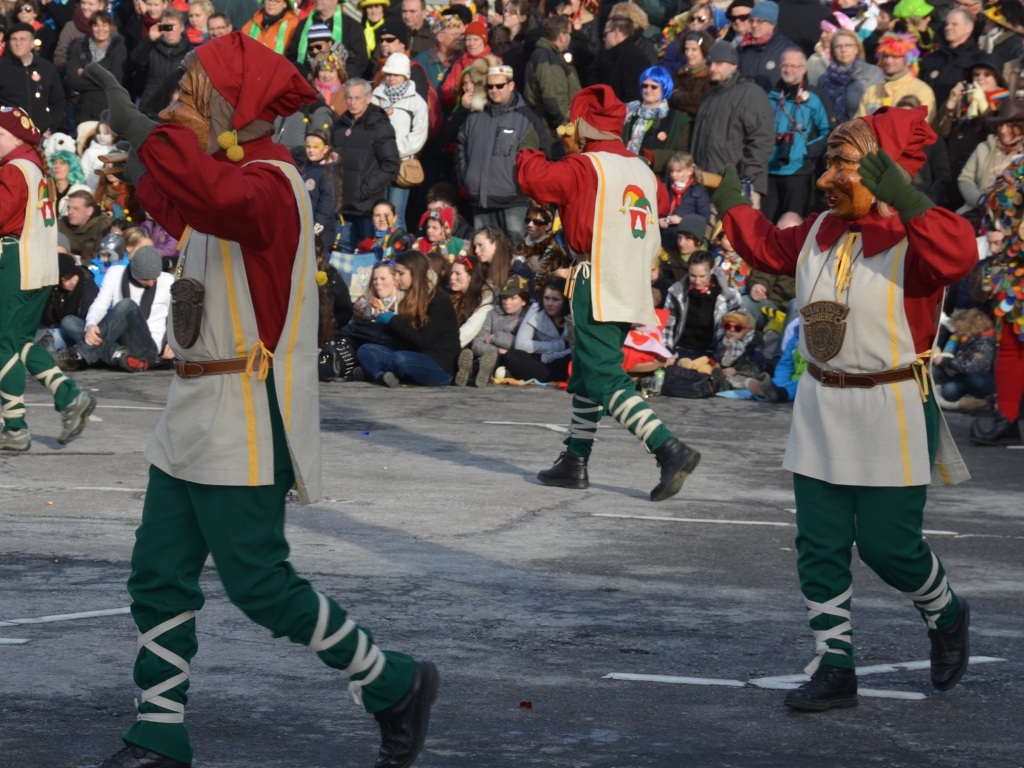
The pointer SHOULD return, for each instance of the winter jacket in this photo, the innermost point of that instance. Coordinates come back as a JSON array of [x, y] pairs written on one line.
[[350, 35], [690, 88], [760, 63], [735, 125], [695, 200], [368, 154], [620, 68], [889, 92], [804, 117], [486, 149], [449, 88], [61, 303], [89, 99], [85, 240], [669, 135], [321, 182], [551, 83], [160, 62], [438, 338], [538, 335], [291, 130], [944, 67], [751, 362], [35, 88], [501, 326], [409, 118], [985, 163], [677, 302], [975, 355], [862, 77], [278, 34]]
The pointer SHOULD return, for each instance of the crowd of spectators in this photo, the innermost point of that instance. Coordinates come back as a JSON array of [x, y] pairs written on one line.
[[409, 157]]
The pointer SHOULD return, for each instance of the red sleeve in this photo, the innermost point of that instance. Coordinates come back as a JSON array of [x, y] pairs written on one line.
[[664, 201], [569, 183], [13, 200], [763, 245], [252, 205]]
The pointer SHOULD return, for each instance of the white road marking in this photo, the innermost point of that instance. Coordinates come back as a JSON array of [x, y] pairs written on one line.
[[12, 641], [64, 617], [58, 489], [787, 682], [112, 407], [659, 518]]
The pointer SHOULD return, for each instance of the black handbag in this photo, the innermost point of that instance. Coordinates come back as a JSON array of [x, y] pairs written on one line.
[[337, 361]]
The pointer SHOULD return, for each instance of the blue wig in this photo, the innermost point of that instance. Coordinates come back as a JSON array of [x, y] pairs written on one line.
[[661, 76], [75, 173]]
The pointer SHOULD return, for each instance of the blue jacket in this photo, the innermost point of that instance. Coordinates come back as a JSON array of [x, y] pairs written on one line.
[[98, 268], [807, 119]]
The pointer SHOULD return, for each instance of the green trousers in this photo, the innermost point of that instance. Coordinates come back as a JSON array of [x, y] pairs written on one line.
[[886, 525], [21, 313], [242, 528], [599, 383]]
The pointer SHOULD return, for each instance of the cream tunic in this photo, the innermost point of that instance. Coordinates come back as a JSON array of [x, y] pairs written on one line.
[[876, 436], [38, 241], [216, 429]]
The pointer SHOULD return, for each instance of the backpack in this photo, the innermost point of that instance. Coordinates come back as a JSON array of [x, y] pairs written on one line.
[[684, 382]]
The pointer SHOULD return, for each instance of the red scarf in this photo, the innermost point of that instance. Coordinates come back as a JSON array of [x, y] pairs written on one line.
[[677, 195]]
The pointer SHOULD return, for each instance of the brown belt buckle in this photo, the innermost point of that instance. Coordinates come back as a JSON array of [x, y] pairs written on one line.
[[832, 379], [188, 369]]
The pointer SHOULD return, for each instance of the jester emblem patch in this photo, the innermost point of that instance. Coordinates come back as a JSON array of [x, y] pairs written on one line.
[[187, 296], [639, 208], [824, 328]]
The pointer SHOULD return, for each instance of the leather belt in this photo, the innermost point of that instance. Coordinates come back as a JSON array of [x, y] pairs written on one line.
[[843, 380], [191, 369]]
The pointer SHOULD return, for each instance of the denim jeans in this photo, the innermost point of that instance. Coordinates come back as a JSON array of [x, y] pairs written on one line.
[[124, 326], [416, 367], [399, 198], [952, 388], [352, 232], [512, 220]]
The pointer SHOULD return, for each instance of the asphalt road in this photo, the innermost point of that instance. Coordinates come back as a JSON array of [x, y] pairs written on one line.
[[436, 535]]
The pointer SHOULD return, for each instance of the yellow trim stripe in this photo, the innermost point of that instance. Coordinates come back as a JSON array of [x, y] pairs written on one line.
[[595, 249], [305, 218], [241, 351], [901, 416]]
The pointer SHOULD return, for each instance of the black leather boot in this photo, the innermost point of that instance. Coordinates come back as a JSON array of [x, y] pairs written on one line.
[[137, 757], [951, 650], [829, 687], [403, 727], [994, 430], [677, 460], [567, 472]]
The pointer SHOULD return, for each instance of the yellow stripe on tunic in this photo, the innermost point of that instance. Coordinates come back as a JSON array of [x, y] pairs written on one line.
[[241, 351], [595, 252], [901, 417]]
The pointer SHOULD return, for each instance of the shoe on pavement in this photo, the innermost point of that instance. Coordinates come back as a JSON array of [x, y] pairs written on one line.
[[137, 757], [19, 440], [488, 360], [68, 359], [74, 417], [763, 386], [951, 650], [829, 688], [568, 471], [127, 362], [677, 460], [388, 379], [403, 727], [994, 430], [976, 405], [465, 367]]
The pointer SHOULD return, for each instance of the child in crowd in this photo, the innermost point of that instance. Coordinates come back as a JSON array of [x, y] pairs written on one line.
[[437, 226], [498, 334], [686, 197], [727, 260], [199, 12], [542, 350], [316, 163], [739, 352], [963, 371]]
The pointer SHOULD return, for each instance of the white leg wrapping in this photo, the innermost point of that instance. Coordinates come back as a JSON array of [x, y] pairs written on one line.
[[51, 378], [646, 420], [838, 632], [580, 428], [932, 598], [153, 695], [366, 657], [13, 406]]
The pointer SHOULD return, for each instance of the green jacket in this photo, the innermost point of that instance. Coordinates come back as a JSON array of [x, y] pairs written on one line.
[[550, 84]]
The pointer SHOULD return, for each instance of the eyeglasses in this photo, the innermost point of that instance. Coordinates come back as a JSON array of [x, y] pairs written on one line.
[[650, 86], [729, 325], [535, 222], [699, 20], [389, 39], [496, 86], [26, 9], [739, 18]]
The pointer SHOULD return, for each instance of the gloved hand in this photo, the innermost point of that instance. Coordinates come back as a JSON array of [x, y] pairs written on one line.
[[384, 318], [889, 184], [125, 119], [729, 193]]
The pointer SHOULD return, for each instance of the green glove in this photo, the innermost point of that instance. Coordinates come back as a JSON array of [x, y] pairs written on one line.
[[889, 184], [125, 119], [729, 193]]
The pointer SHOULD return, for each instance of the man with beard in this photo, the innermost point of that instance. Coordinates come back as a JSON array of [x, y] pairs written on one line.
[[241, 426], [867, 435]]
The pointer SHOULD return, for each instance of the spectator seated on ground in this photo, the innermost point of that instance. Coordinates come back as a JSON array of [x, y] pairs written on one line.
[[740, 351], [83, 224], [126, 326], [71, 296], [963, 371], [436, 226], [780, 386], [382, 295], [443, 195], [496, 337], [387, 238], [728, 261], [472, 296], [493, 250], [111, 253], [541, 350], [697, 305], [539, 250]]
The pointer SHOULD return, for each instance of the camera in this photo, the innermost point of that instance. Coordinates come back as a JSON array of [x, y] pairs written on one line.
[[165, 27], [784, 143]]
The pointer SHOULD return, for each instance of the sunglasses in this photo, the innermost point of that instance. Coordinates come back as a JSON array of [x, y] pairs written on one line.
[[744, 17], [650, 86], [389, 39], [729, 325], [496, 86], [536, 222], [699, 19], [26, 9]]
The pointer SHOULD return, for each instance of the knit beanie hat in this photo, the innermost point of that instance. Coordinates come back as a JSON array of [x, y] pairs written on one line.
[[147, 264]]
